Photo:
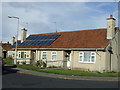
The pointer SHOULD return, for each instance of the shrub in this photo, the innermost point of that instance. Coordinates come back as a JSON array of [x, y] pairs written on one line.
[[44, 64], [52, 67], [38, 63], [24, 62], [18, 62]]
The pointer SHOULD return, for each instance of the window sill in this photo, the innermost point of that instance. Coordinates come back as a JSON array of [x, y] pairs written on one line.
[[87, 62], [53, 60]]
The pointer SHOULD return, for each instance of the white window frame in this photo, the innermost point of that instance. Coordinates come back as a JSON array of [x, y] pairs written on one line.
[[82, 54], [42, 54], [94, 57], [24, 56], [19, 54], [53, 54]]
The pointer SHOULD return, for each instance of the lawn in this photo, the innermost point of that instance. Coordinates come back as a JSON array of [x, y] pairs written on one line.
[[69, 72], [9, 61], [65, 72]]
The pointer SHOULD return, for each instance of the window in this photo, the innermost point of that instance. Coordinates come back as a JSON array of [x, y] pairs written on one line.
[[54, 56], [87, 57], [22, 55], [81, 56], [44, 55], [13, 55], [19, 55], [92, 57], [25, 55]]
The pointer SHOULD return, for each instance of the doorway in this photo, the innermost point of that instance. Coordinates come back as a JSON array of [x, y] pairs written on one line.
[[68, 58], [33, 57], [4, 54]]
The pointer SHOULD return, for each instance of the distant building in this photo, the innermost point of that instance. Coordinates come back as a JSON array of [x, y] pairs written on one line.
[[5, 47], [0, 50]]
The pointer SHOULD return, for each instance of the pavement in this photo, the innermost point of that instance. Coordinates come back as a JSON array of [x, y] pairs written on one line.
[[23, 71]]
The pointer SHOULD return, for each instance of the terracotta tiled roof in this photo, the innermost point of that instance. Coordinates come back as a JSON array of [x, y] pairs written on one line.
[[6, 46], [94, 38]]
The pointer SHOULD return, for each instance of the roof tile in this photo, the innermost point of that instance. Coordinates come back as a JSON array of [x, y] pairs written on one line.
[[94, 38]]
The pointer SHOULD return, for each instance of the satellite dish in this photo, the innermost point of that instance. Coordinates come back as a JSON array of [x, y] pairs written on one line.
[[110, 49]]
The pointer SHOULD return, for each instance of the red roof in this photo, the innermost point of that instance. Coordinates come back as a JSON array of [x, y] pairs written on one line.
[[6, 46], [94, 38]]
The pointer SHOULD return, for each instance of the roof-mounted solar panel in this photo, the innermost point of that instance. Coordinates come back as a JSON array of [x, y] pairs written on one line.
[[43, 40]]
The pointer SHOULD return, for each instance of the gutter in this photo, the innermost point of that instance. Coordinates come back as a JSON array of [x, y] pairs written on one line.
[[76, 49]]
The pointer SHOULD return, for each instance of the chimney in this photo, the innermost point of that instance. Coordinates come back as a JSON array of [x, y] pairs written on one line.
[[110, 27], [13, 40], [23, 36]]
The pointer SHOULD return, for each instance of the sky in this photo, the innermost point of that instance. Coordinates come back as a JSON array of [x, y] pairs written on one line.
[[46, 17]]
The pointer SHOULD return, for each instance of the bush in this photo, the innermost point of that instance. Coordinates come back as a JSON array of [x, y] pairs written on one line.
[[112, 72], [38, 63], [44, 64], [9, 57], [24, 62], [18, 62], [52, 67], [41, 63]]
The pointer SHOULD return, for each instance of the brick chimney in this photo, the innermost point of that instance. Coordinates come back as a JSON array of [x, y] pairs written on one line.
[[23, 35], [13, 40], [110, 27]]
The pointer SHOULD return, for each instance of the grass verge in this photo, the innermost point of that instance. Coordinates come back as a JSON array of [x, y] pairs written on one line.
[[9, 61], [69, 72]]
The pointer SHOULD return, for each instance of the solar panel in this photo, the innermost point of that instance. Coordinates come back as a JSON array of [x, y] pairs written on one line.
[[43, 40]]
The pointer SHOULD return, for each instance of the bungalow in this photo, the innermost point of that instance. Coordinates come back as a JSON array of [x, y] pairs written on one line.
[[89, 50]]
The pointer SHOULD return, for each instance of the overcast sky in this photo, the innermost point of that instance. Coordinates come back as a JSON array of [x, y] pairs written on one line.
[[40, 17]]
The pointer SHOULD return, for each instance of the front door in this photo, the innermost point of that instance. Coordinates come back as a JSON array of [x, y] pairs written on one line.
[[4, 54], [68, 57]]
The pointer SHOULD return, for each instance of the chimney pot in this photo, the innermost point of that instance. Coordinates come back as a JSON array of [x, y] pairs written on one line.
[[111, 16]]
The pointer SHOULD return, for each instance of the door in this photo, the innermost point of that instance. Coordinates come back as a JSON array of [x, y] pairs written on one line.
[[4, 54], [68, 57]]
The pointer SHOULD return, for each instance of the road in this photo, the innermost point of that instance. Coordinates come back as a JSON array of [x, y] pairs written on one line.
[[11, 79]]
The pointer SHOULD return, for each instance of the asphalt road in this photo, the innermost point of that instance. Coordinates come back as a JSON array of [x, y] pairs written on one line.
[[11, 79]]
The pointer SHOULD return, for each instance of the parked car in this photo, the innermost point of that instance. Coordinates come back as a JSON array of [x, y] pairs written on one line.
[[2, 62]]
